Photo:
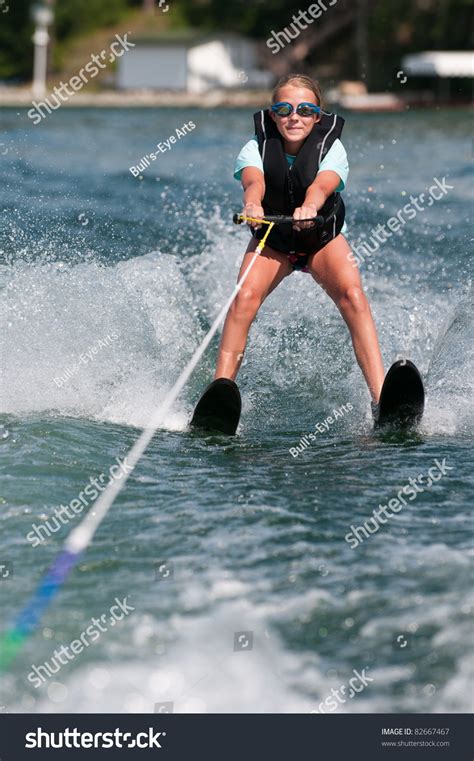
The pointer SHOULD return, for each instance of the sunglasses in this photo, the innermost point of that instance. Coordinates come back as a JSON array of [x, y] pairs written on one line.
[[303, 109]]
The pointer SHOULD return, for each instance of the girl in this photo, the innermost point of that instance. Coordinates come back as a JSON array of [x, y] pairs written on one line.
[[297, 166]]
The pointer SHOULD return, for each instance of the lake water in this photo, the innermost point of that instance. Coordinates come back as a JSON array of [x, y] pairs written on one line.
[[109, 283]]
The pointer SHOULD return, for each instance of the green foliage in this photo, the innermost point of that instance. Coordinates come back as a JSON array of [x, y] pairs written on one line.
[[72, 18], [400, 27], [16, 47], [76, 17], [396, 27], [256, 18], [435, 24]]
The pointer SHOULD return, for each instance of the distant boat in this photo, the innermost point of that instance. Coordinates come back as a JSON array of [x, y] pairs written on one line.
[[371, 102]]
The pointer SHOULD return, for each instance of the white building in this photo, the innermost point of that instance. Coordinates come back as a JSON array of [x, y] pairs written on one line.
[[194, 65]]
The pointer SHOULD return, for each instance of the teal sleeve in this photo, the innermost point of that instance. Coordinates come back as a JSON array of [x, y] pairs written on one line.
[[336, 161], [248, 156]]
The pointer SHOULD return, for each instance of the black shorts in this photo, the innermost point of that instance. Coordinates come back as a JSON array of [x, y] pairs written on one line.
[[298, 245]]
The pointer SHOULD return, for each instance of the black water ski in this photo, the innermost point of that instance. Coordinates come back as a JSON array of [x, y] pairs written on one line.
[[402, 399], [219, 407]]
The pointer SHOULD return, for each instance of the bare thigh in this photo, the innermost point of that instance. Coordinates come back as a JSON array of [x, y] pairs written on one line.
[[268, 270], [333, 270]]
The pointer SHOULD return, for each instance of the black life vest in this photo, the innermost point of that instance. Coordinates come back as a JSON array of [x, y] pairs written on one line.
[[285, 186]]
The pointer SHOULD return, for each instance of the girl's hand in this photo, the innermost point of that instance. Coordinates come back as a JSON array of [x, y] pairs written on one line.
[[255, 211], [305, 212]]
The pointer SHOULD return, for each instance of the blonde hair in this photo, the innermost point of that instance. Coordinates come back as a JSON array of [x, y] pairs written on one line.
[[300, 80]]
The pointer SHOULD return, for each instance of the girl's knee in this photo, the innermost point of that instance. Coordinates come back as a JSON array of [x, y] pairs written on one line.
[[353, 299], [246, 303]]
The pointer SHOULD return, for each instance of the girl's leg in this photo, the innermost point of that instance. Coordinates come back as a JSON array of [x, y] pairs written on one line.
[[267, 272], [334, 271]]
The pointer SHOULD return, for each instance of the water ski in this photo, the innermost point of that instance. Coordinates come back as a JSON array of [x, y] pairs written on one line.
[[219, 407], [402, 399]]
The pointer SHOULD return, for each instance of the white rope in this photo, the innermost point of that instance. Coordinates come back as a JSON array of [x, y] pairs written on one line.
[[81, 536]]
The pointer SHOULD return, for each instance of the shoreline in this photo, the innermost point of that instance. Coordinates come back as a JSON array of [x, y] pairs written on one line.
[[23, 96], [11, 97]]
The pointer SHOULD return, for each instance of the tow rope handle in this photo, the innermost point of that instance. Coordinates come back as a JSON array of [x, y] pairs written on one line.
[[279, 219]]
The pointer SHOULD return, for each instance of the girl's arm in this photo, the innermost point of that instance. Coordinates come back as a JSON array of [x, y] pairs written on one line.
[[317, 194], [253, 183]]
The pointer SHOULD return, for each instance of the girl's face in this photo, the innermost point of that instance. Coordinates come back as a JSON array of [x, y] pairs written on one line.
[[293, 128]]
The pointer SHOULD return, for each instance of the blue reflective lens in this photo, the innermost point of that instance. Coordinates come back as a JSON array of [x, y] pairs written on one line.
[[303, 109]]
